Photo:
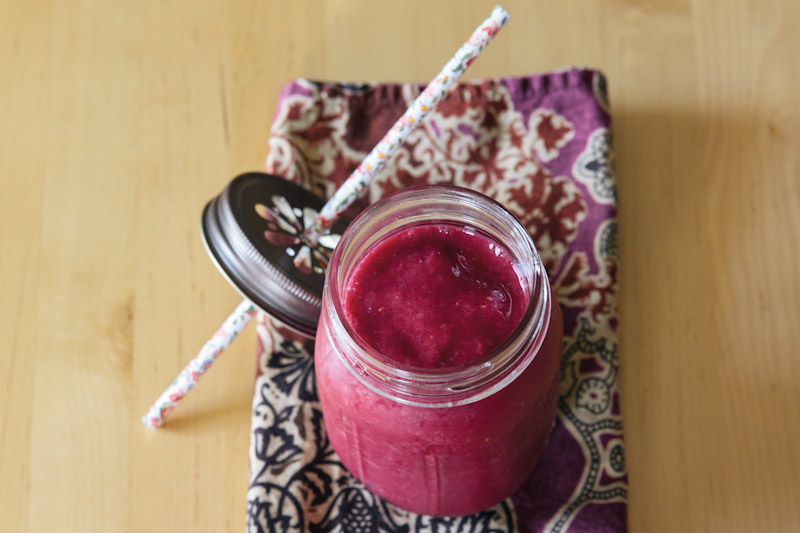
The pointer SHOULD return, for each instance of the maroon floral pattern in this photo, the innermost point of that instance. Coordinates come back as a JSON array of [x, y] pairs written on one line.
[[540, 145]]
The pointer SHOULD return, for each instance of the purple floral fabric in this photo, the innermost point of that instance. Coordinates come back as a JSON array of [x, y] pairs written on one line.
[[540, 145]]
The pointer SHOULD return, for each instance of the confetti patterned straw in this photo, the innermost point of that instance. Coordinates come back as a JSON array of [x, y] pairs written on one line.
[[436, 90], [198, 366]]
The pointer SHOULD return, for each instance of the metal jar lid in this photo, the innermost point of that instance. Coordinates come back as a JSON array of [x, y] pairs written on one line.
[[253, 231]]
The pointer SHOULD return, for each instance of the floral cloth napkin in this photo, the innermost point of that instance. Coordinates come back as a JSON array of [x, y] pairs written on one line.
[[541, 146]]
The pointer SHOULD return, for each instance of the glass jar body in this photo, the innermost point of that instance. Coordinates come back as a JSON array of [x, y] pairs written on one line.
[[443, 444]]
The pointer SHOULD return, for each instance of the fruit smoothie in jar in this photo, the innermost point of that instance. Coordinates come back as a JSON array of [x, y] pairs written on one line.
[[438, 350]]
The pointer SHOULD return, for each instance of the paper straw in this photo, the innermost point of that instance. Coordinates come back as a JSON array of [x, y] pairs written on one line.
[[436, 90], [198, 366]]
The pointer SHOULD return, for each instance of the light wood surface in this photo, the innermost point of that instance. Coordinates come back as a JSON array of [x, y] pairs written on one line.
[[119, 120]]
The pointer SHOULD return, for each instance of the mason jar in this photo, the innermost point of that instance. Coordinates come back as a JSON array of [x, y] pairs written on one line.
[[439, 441]]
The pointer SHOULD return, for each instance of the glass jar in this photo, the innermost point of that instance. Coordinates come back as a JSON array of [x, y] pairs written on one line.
[[450, 441]]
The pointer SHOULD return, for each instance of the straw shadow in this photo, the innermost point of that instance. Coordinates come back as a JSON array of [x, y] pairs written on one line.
[[205, 420]]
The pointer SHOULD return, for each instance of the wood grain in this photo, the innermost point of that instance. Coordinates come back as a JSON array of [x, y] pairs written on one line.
[[119, 120]]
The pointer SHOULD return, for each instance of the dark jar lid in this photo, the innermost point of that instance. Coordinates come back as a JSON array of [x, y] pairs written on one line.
[[253, 231]]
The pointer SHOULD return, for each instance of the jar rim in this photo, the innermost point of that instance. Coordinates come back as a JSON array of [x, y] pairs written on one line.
[[437, 387]]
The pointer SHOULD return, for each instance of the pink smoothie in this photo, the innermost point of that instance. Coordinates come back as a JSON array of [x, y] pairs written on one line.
[[438, 297], [435, 296]]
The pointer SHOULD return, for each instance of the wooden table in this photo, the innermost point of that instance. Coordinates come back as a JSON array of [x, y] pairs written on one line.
[[119, 120]]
